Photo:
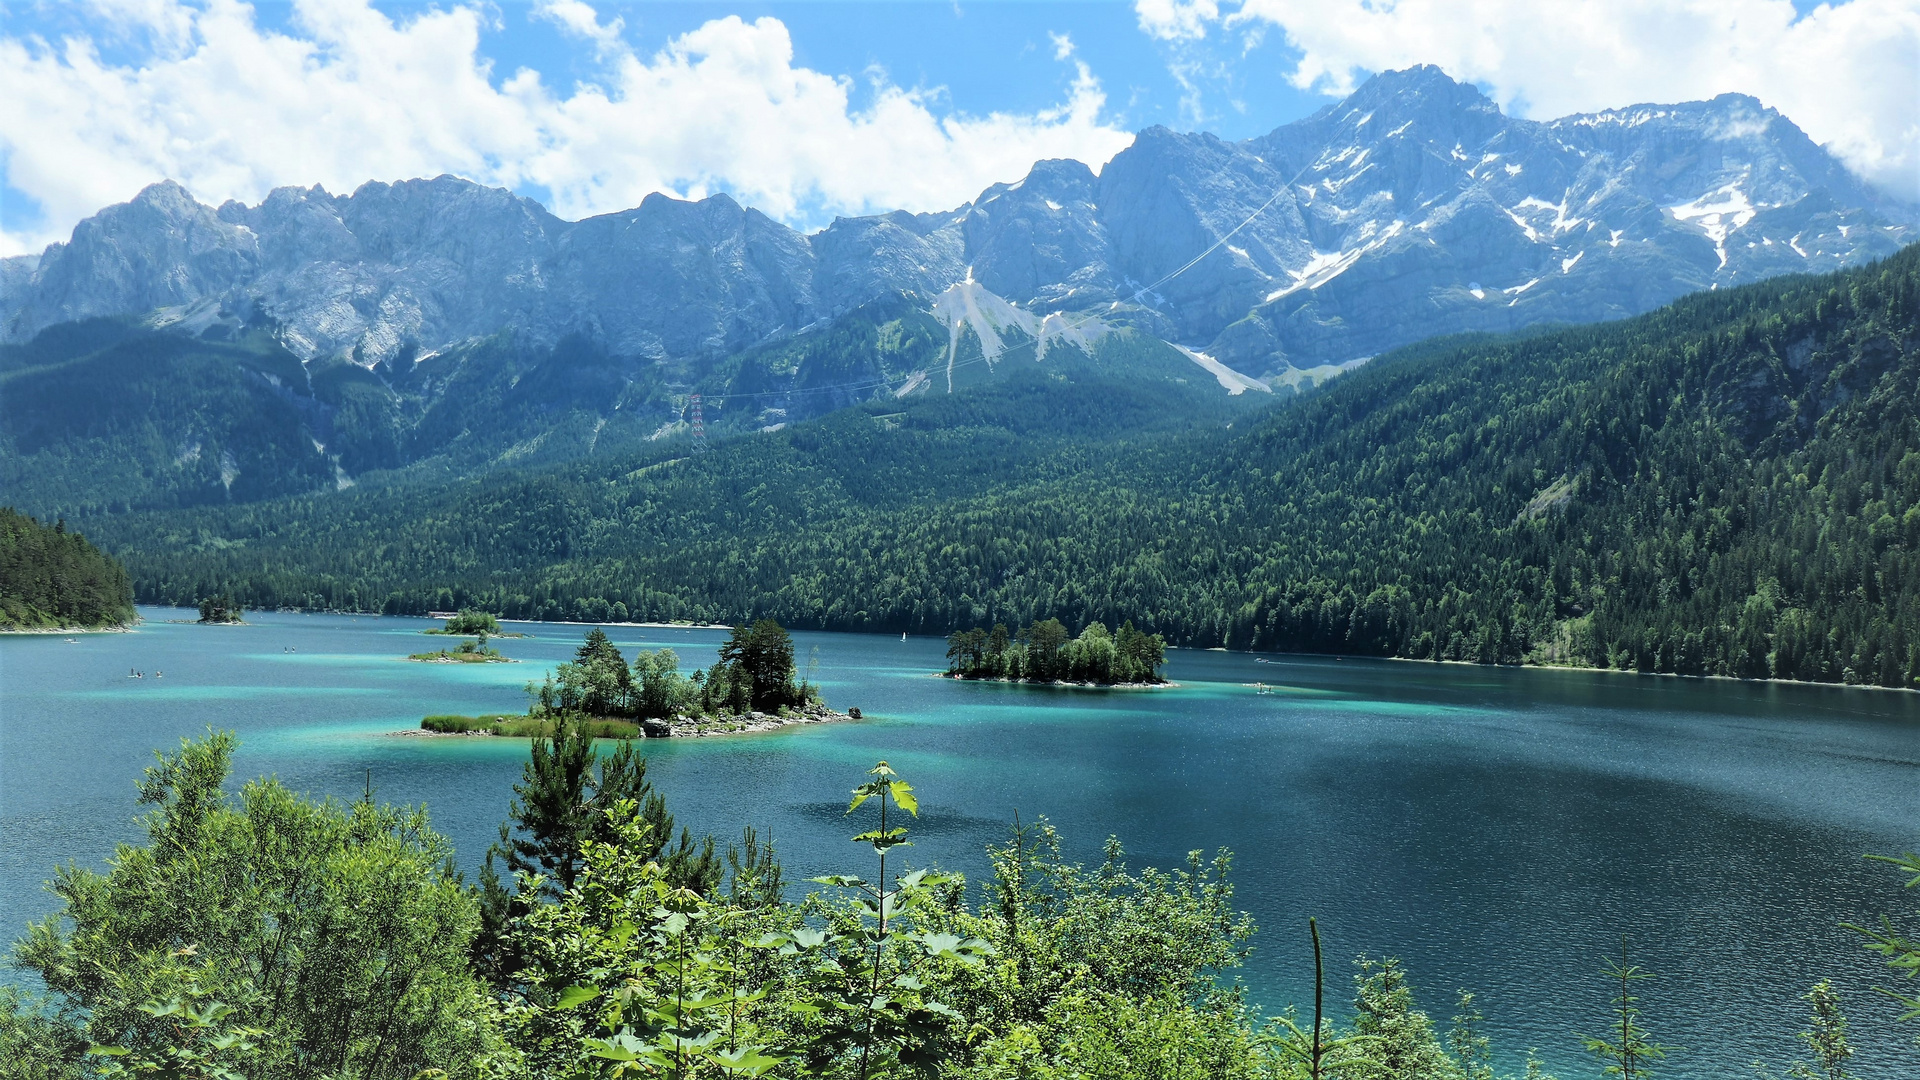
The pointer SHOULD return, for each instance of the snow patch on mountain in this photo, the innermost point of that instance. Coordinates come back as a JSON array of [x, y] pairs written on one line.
[[1718, 213]]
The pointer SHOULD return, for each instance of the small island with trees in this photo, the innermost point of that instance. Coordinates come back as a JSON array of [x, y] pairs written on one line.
[[472, 622], [1045, 653], [220, 610], [469, 652], [752, 687], [482, 625]]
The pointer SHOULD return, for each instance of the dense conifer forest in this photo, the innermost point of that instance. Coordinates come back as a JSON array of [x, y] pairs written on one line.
[[53, 579], [1727, 486]]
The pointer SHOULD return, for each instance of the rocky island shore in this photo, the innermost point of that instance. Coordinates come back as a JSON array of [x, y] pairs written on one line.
[[677, 727]]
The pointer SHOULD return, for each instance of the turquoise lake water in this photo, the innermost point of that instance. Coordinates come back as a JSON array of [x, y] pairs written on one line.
[[1497, 829]]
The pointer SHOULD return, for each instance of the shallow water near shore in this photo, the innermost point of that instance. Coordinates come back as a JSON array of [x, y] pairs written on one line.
[[1497, 829]]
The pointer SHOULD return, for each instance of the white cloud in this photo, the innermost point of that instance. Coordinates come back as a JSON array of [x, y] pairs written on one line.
[[1847, 73], [348, 94], [1176, 20], [580, 20]]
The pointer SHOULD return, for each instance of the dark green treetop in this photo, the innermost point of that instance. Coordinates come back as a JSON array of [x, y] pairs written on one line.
[[52, 578]]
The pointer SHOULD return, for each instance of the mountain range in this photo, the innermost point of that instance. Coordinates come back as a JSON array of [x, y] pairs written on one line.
[[1412, 208], [173, 353]]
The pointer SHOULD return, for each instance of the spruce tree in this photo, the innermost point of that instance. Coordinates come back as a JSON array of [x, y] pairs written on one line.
[[1627, 1050], [560, 803], [762, 657], [1826, 1036]]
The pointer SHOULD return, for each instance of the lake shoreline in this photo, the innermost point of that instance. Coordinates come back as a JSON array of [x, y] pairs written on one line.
[[1540, 795], [29, 631], [1613, 671], [1063, 684]]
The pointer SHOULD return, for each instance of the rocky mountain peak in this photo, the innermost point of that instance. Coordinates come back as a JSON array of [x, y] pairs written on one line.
[[1411, 208]]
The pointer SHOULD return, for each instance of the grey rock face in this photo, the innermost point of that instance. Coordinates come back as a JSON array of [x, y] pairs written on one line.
[[162, 249], [1041, 239], [1412, 208], [674, 279], [415, 264], [1423, 210], [862, 259]]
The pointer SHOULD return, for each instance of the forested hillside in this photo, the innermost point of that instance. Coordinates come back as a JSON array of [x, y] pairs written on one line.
[[1730, 485], [53, 579], [108, 416]]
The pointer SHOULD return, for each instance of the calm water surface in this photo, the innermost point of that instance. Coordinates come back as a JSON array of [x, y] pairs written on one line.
[[1496, 829]]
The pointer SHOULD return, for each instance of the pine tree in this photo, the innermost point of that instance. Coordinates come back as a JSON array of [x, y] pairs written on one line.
[[762, 657], [1826, 1036], [1470, 1047], [1631, 1054], [559, 804]]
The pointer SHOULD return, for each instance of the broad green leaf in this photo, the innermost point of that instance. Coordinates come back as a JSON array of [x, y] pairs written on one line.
[[611, 1052], [574, 995], [861, 794], [845, 881], [938, 944], [746, 1061], [903, 797]]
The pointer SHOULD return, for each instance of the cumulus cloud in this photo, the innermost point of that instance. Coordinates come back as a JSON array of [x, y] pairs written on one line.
[[1847, 73], [576, 17], [347, 94], [1176, 20]]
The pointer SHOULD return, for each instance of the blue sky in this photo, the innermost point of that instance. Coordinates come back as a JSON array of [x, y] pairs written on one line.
[[987, 56], [810, 109]]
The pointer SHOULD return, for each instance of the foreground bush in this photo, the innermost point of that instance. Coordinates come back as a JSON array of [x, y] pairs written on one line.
[[262, 935], [338, 932]]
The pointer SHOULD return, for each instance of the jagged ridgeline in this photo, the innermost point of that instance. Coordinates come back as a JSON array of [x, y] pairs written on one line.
[[1728, 485], [53, 579], [175, 354]]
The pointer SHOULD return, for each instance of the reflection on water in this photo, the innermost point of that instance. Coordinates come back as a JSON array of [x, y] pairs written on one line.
[[1497, 829]]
